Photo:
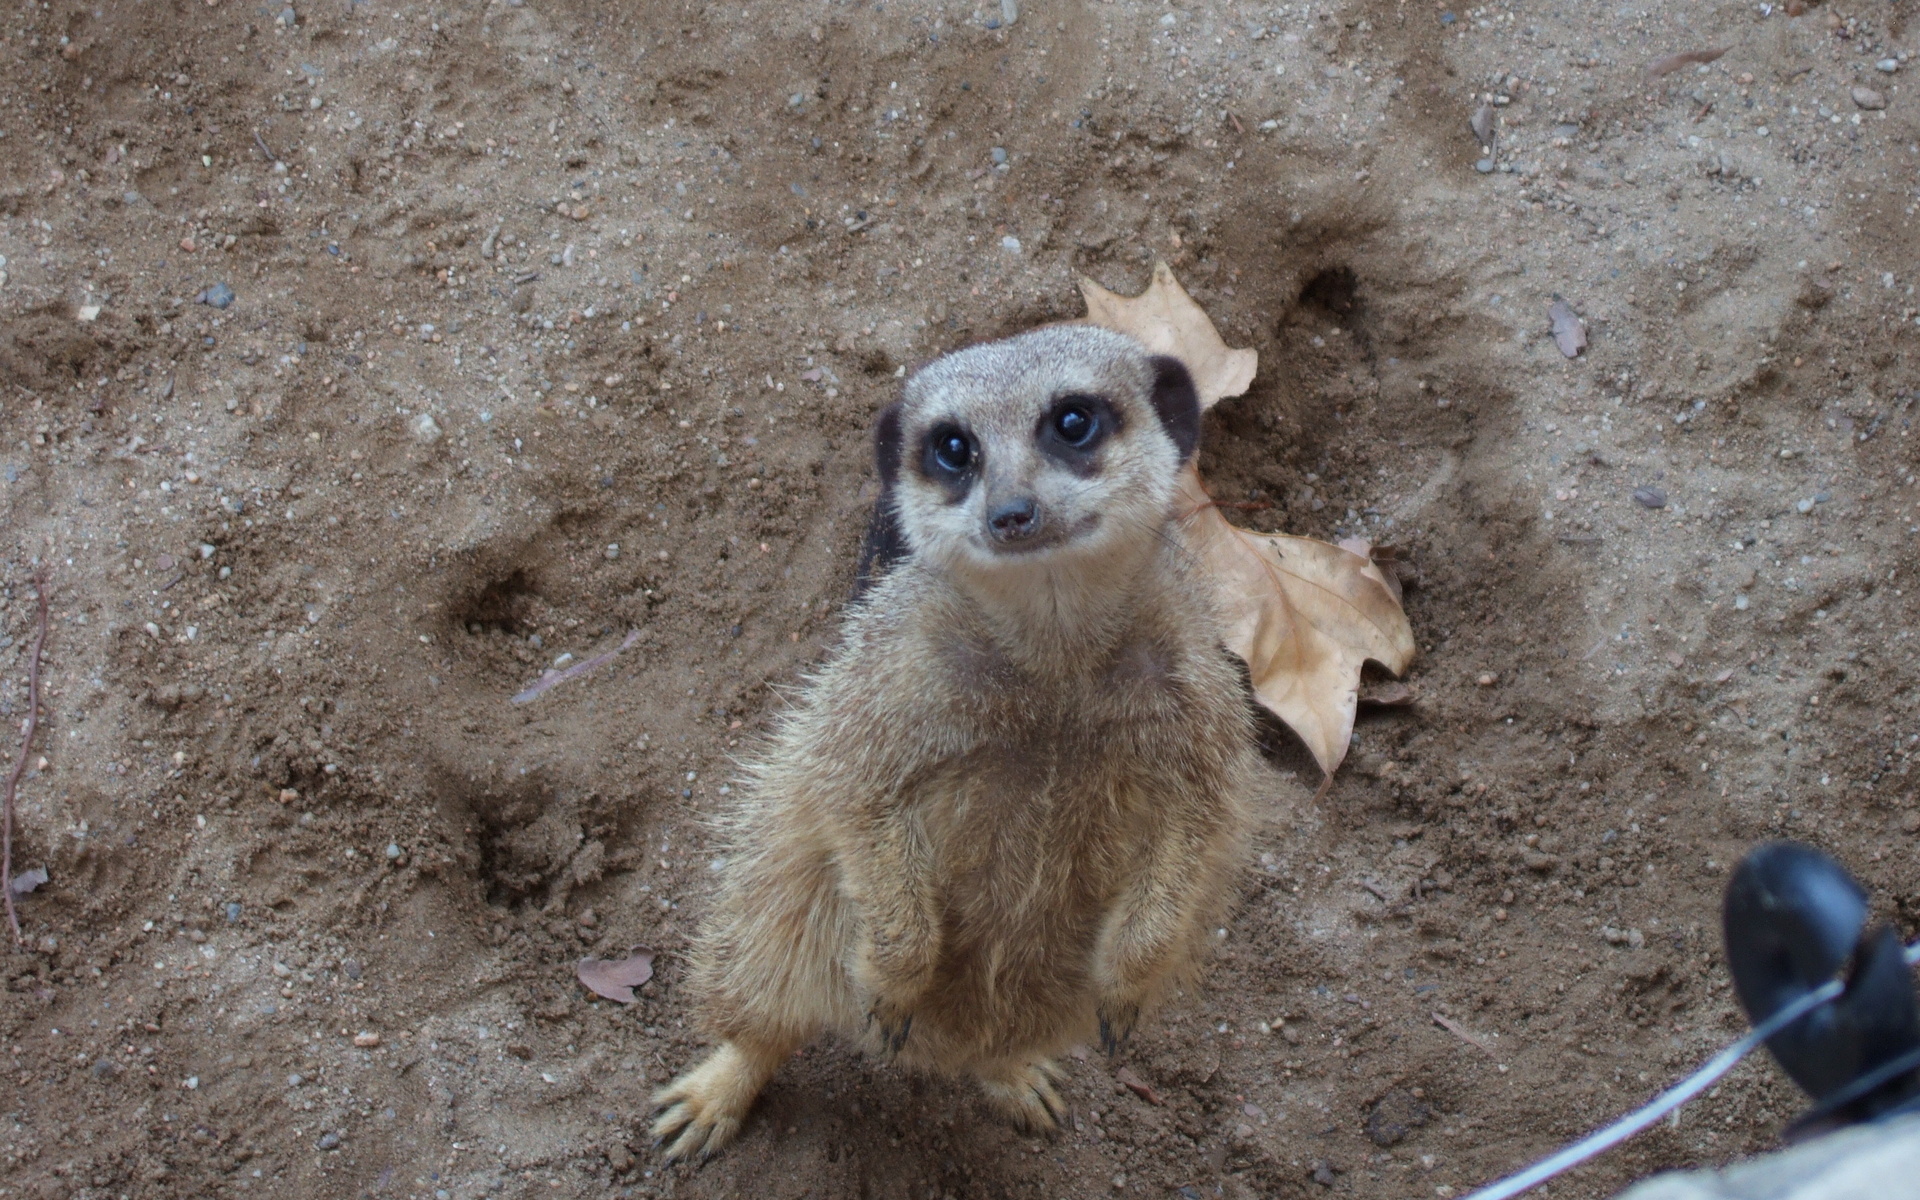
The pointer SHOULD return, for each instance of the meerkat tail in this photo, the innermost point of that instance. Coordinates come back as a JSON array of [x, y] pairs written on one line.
[[703, 1108]]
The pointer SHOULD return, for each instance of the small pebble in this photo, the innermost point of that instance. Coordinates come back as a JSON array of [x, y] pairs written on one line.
[[233, 911], [1649, 497], [1888, 65], [393, 850], [1487, 679], [288, 17], [613, 550], [366, 1040], [1484, 166], [1869, 99], [329, 1141], [1805, 506], [1740, 603], [999, 155], [1010, 244], [426, 429], [219, 295]]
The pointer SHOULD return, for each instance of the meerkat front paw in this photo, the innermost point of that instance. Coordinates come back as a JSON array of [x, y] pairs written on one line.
[[1026, 1095], [1117, 1019], [892, 1022], [703, 1109], [895, 983]]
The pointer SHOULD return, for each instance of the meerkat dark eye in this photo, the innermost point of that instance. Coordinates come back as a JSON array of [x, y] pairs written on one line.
[[1075, 424], [950, 450], [1074, 428]]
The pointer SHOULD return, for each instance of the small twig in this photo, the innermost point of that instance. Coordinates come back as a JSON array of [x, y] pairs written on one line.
[[1460, 1031], [1377, 890], [20, 768], [262, 143], [575, 670]]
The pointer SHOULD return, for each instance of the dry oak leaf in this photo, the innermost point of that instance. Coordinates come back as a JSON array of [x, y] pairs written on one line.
[[1165, 320], [1302, 614]]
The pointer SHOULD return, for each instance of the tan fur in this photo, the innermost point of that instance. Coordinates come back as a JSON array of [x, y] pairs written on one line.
[[1004, 814]]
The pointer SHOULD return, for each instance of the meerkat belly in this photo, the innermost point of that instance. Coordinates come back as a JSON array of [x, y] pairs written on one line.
[[1033, 852]]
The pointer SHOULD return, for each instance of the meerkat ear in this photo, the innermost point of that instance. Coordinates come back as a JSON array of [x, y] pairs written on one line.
[[1177, 403], [886, 444], [885, 543]]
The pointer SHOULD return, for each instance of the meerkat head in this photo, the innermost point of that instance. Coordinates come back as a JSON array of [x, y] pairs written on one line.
[[1065, 442]]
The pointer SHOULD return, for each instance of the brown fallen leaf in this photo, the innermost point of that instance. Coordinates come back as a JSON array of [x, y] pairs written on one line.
[[1165, 320], [1569, 332], [1686, 58], [615, 979], [1481, 122], [1387, 695], [1380, 556], [1302, 614], [1138, 1086]]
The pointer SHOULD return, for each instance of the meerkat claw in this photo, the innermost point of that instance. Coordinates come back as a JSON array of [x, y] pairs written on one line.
[[1027, 1097], [893, 1031], [702, 1111], [1115, 1032]]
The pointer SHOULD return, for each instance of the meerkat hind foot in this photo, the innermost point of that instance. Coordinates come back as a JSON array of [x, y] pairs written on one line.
[[1026, 1095], [703, 1108]]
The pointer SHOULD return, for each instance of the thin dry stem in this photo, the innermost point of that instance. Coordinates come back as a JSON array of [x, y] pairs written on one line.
[[20, 767]]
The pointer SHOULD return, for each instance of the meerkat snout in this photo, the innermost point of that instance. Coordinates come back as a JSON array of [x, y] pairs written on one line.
[[1014, 519]]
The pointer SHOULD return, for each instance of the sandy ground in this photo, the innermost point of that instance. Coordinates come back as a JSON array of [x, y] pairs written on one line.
[[552, 321]]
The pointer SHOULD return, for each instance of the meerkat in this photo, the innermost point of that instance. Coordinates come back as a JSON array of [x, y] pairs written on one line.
[[1004, 813]]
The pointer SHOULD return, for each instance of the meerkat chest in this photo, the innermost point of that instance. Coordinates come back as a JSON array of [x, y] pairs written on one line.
[[1053, 780]]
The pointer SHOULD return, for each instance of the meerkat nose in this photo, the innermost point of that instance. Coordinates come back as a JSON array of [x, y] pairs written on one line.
[[1014, 519]]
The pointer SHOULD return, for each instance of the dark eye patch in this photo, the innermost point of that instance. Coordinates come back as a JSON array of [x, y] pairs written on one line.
[[950, 458], [1074, 428]]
